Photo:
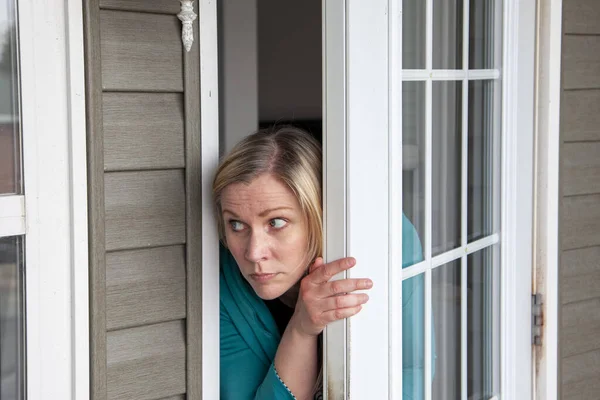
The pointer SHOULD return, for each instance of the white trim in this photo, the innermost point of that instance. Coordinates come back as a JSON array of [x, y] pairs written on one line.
[[547, 205], [517, 199], [12, 226], [12, 215], [209, 131], [78, 196], [54, 162], [450, 256], [334, 183], [450, 74], [367, 173], [427, 243], [395, 171], [464, 200]]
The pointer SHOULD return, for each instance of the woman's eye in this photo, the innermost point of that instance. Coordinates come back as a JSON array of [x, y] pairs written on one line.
[[278, 223], [236, 225]]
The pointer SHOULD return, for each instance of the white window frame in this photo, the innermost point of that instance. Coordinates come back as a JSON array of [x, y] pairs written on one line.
[[55, 200], [354, 104]]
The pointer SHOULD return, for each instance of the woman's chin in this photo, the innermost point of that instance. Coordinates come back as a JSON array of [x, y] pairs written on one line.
[[268, 292]]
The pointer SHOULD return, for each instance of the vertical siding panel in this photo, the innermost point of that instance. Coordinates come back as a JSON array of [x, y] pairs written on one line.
[[581, 16], [95, 155], [580, 204], [193, 219], [581, 62]]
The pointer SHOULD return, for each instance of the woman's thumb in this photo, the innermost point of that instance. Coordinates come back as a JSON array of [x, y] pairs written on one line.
[[318, 262]]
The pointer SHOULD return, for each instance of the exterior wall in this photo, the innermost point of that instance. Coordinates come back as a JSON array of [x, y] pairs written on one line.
[[580, 201], [143, 116], [238, 70]]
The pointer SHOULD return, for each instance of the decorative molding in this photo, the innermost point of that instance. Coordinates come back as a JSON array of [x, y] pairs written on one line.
[[187, 17]]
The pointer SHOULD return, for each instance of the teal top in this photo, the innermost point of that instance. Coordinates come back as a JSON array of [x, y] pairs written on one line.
[[249, 336]]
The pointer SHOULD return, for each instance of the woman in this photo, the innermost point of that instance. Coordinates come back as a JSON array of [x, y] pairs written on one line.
[[276, 297]]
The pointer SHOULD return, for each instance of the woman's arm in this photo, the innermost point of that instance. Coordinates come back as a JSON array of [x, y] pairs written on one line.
[[320, 302], [296, 361]]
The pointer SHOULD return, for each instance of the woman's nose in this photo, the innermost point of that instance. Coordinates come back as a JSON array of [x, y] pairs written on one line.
[[257, 249]]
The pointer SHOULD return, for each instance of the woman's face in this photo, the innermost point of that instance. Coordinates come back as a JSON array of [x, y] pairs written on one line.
[[267, 234]]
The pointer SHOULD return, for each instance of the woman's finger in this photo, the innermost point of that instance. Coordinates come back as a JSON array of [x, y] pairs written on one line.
[[326, 272], [344, 301], [318, 263], [340, 286], [340, 313]]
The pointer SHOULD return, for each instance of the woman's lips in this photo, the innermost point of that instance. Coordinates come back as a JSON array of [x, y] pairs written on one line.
[[262, 278]]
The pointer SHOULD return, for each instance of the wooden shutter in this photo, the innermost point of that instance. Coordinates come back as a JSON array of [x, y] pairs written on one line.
[[143, 116]]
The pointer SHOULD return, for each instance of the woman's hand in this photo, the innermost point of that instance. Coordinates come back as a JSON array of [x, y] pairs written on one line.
[[321, 301]]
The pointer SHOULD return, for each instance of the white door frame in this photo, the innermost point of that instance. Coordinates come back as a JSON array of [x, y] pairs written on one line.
[[356, 60], [55, 184], [209, 137], [547, 203]]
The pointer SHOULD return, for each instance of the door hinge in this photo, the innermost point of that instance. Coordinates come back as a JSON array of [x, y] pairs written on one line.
[[537, 319]]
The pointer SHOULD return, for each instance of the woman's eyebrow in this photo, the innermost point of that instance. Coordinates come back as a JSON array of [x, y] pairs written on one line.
[[270, 210], [230, 212]]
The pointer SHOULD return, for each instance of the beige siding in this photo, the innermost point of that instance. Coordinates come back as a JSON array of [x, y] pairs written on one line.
[[581, 168], [143, 105], [144, 209], [156, 6], [145, 286], [143, 131], [141, 51], [580, 202], [146, 362], [580, 115]]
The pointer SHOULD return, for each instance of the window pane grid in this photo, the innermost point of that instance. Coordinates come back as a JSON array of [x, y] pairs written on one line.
[[479, 61], [450, 256], [450, 75], [12, 215]]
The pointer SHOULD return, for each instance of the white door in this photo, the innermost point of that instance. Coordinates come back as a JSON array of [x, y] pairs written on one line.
[[428, 183]]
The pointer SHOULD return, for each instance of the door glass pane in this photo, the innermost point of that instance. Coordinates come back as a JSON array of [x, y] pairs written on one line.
[[12, 340], [446, 151], [413, 34], [413, 337], [482, 28], [483, 160], [10, 142], [413, 155], [483, 324], [447, 34], [446, 304]]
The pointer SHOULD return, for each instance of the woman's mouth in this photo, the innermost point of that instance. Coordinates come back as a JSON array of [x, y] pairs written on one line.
[[262, 278]]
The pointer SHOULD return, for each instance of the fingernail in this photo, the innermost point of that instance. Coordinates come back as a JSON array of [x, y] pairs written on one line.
[[369, 284], [350, 262]]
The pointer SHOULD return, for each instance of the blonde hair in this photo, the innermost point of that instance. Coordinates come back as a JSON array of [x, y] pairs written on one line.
[[290, 155]]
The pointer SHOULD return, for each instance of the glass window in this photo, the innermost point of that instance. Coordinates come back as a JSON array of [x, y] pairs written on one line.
[[12, 289], [413, 157], [448, 34], [446, 292], [413, 33], [446, 163], [12, 334], [10, 142], [483, 324], [451, 137]]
